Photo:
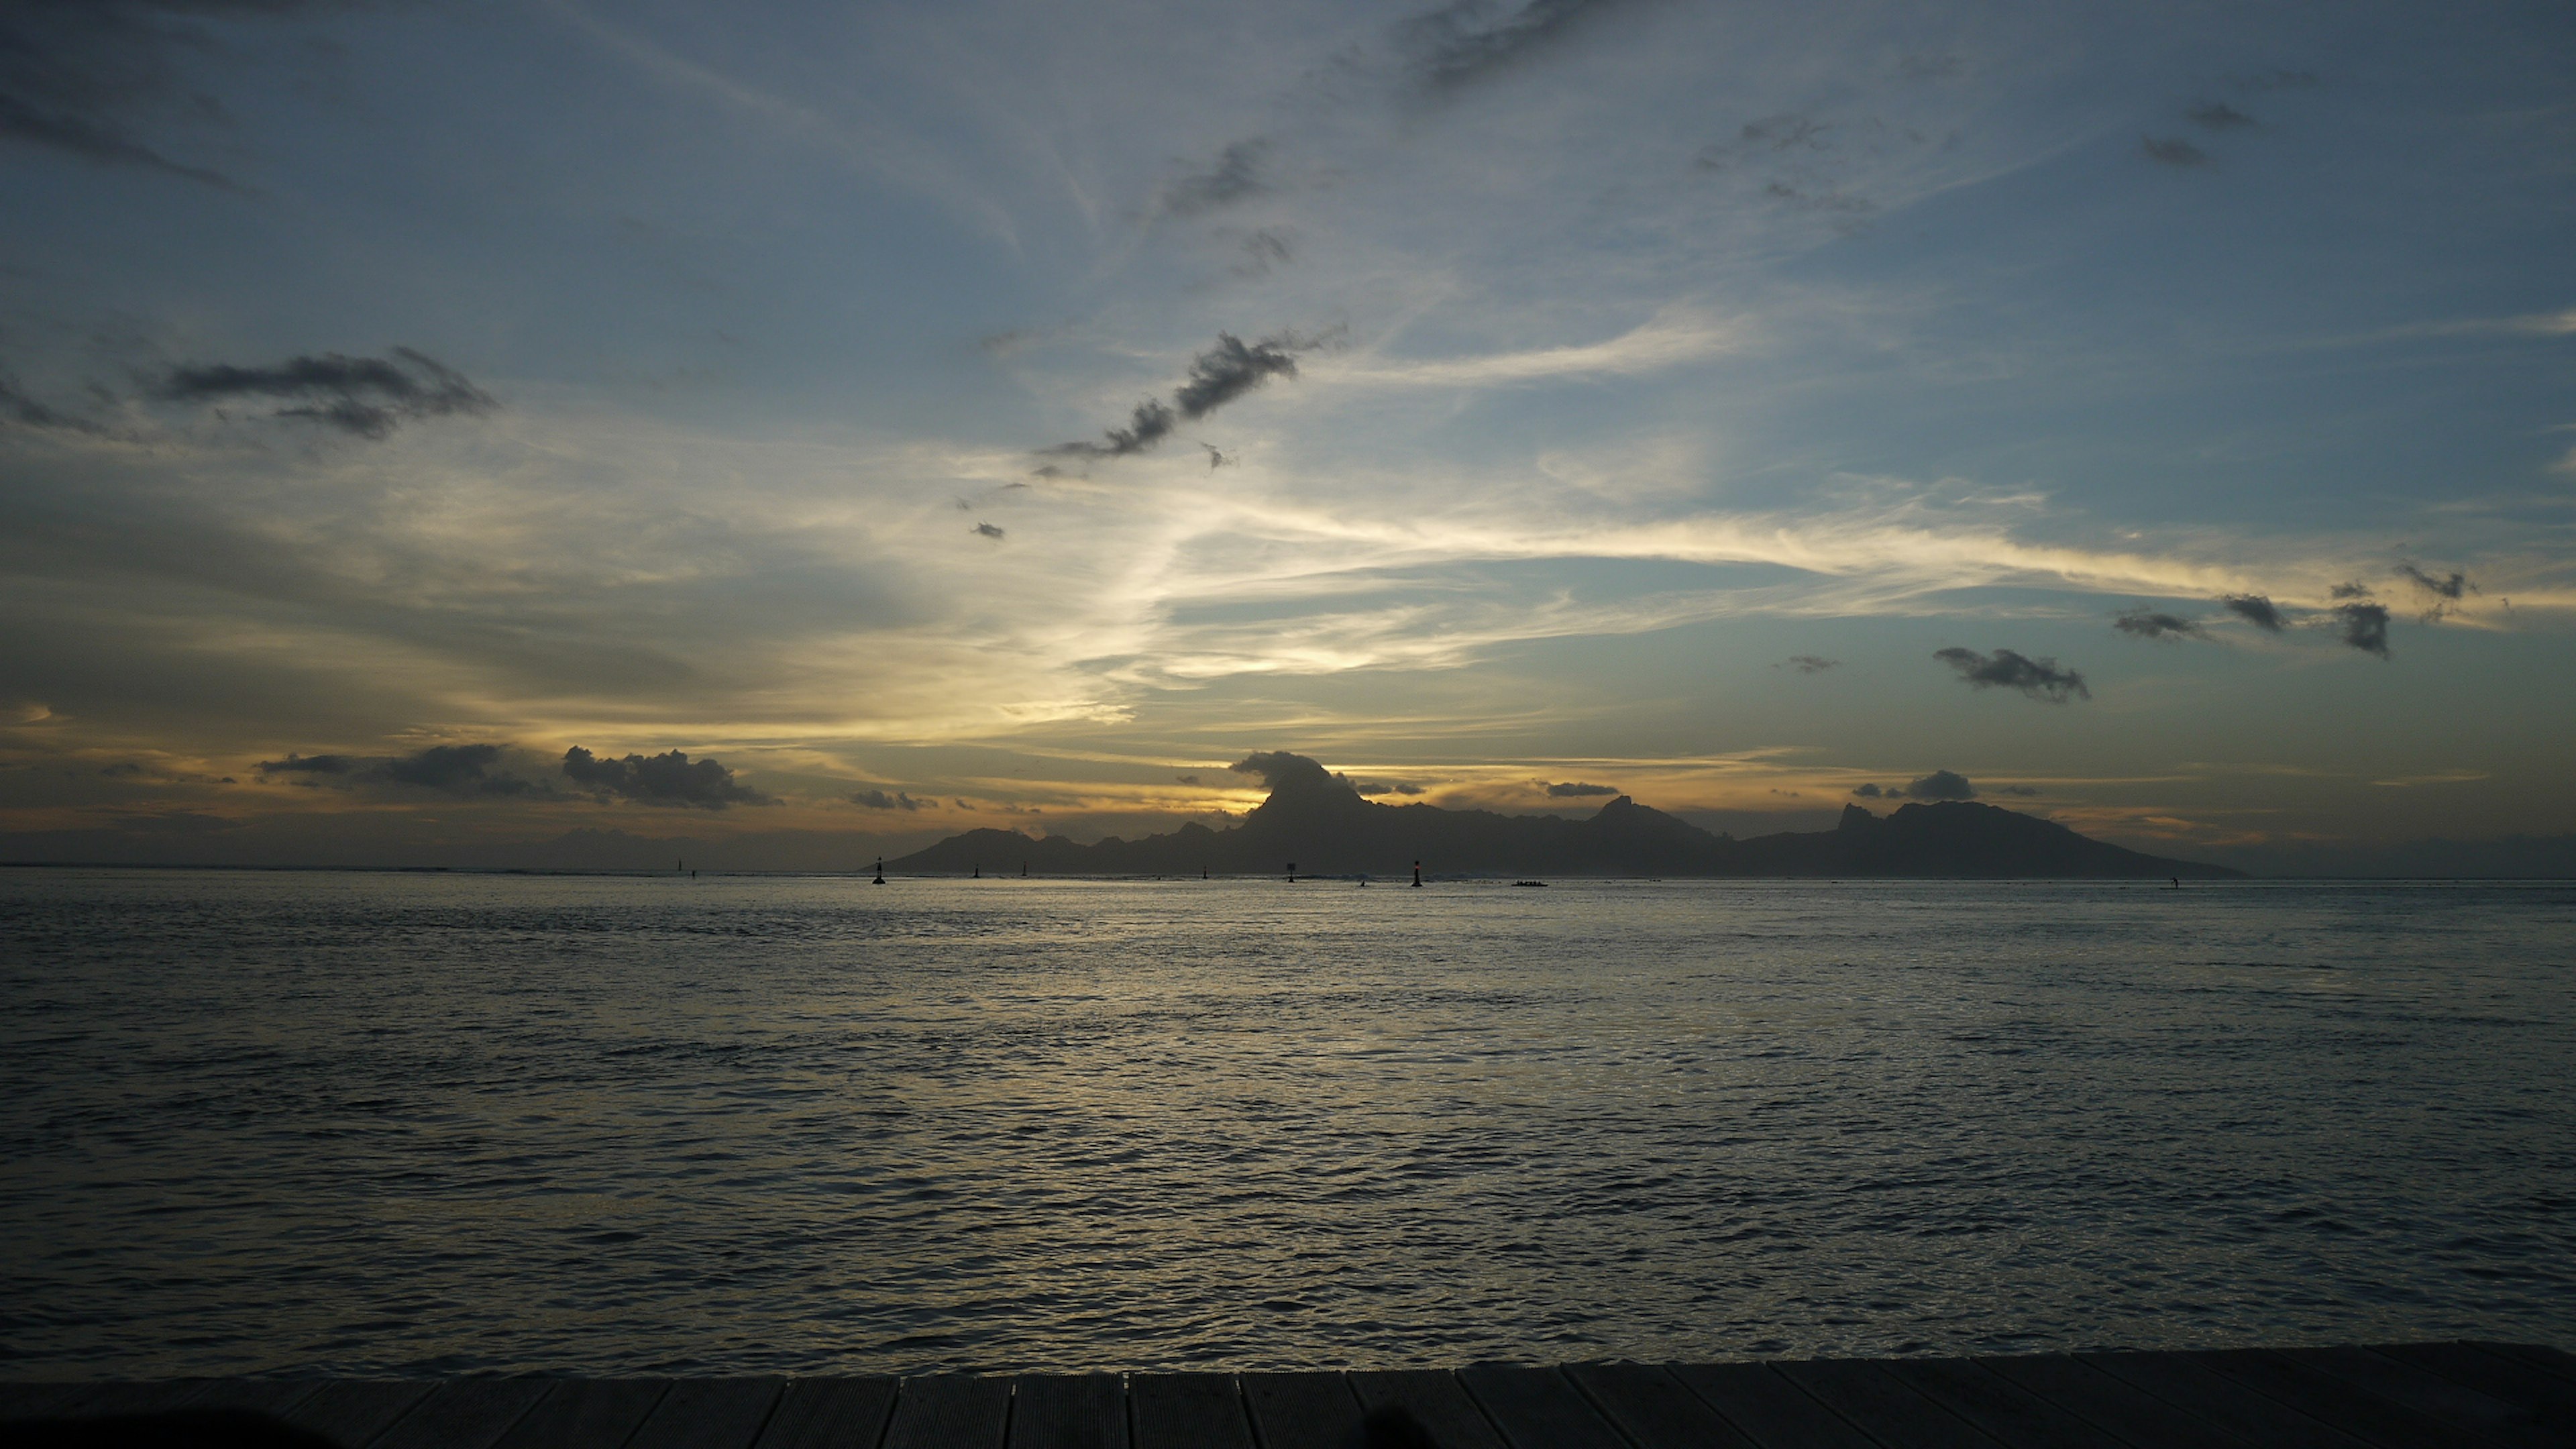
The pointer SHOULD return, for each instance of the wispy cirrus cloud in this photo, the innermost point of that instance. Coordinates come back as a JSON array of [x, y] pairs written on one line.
[[1671, 338]]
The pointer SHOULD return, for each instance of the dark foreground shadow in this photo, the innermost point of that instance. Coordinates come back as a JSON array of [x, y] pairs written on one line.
[[179, 1429]]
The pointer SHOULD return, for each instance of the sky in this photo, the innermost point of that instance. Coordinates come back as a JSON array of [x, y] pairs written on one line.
[[549, 432]]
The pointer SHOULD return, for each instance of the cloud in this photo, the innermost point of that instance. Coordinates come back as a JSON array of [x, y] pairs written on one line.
[[666, 779], [2005, 669], [2218, 116], [2024, 791], [1868, 792], [2173, 151], [451, 769], [1217, 457], [2364, 627], [2350, 591], [1379, 787], [1262, 250], [988, 530], [1279, 768], [1941, 785], [456, 769], [1217, 376], [1673, 336], [2448, 588], [1452, 48], [1234, 176], [367, 396], [1232, 368], [2257, 610], [295, 764], [880, 800], [17, 407], [1187, 779], [1808, 663], [1575, 789], [2146, 624], [77, 79]]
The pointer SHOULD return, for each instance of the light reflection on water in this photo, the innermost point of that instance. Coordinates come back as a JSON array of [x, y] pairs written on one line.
[[428, 1123]]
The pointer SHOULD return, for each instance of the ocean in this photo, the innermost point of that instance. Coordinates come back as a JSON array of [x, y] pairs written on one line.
[[414, 1123]]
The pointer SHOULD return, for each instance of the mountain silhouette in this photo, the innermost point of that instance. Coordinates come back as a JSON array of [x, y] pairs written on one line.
[[1320, 823]]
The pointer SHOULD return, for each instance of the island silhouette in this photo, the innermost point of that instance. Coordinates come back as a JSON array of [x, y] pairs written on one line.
[[1317, 819]]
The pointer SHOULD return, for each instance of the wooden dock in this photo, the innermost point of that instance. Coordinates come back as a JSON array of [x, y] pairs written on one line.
[[2396, 1396]]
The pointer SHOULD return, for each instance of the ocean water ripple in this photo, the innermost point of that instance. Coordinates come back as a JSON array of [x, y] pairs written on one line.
[[419, 1123]]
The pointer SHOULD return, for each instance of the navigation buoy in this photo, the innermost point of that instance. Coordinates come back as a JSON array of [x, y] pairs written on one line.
[[1292, 872], [880, 880], [1417, 875]]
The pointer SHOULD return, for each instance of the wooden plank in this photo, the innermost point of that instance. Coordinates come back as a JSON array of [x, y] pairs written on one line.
[[2547, 1360], [1303, 1410], [949, 1411], [2364, 1415], [35, 1398], [131, 1396], [274, 1397], [2546, 1401], [1433, 1399], [1068, 1411], [725, 1413], [1187, 1411], [2181, 1380], [2089, 1394], [586, 1414], [1537, 1408], [1880, 1406], [1652, 1408], [846, 1413], [2425, 1392], [1766, 1408], [1996, 1406], [355, 1411], [468, 1413]]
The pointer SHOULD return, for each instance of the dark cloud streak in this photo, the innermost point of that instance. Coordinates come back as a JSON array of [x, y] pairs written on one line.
[[2164, 628], [367, 396], [2363, 626], [2257, 610], [1218, 376], [2007, 669]]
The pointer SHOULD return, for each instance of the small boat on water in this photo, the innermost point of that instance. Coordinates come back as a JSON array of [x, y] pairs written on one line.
[[1539, 883]]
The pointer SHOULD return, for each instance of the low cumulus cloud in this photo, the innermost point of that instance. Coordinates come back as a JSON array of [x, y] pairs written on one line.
[[366, 396], [1808, 663], [992, 531], [880, 800], [2257, 610], [1379, 787], [2149, 624], [2364, 626], [1187, 779], [1278, 768], [1576, 789], [665, 779], [1217, 376], [2218, 116], [2008, 669], [1939, 785]]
